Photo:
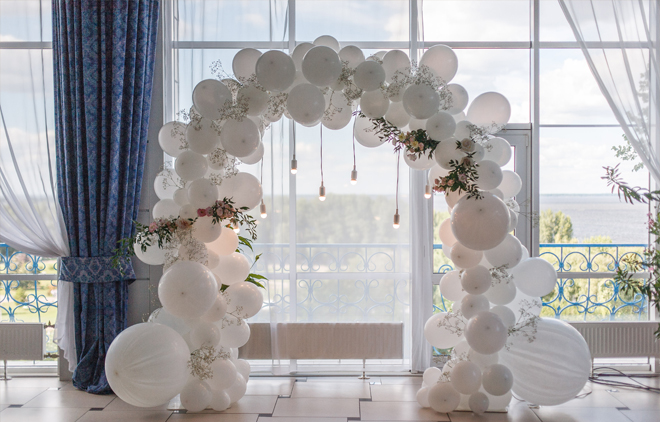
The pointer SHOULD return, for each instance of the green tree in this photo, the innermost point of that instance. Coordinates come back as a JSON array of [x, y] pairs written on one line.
[[555, 227]]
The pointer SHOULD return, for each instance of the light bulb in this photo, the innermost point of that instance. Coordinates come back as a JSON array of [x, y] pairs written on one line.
[[237, 228], [322, 193], [294, 166], [397, 219], [354, 176], [428, 192], [262, 209]]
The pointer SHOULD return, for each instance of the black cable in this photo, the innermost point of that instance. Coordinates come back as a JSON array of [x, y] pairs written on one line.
[[321, 154], [635, 385]]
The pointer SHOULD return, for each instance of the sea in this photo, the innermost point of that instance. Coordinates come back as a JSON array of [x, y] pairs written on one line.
[[601, 215]]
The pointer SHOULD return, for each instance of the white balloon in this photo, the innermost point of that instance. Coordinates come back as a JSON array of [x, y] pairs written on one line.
[[511, 184], [446, 235], [551, 369], [232, 269], [244, 62], [499, 151], [220, 401], [226, 244], [501, 292], [478, 403], [506, 315], [306, 103], [165, 208], [202, 193], [244, 299], [352, 55], [459, 100], [459, 117], [224, 374], [217, 310], [416, 124], [299, 53], [188, 212], [489, 108], [243, 367], [486, 333], [436, 172], [393, 61], [204, 334], [441, 60], [507, 254], [244, 188], [419, 163], [365, 133], [440, 332], [321, 66], [446, 152], [240, 138], [205, 230], [374, 104], [154, 255], [535, 277], [440, 126], [369, 76], [171, 138], [513, 221], [187, 289], [237, 389], [450, 286], [164, 186], [180, 197], [482, 360], [234, 332], [190, 165], [328, 41], [431, 375], [466, 377], [421, 101], [255, 98], [255, 157], [209, 96], [338, 115], [464, 257], [497, 379], [489, 175], [443, 398], [146, 364], [480, 224], [275, 70], [397, 115], [476, 280], [422, 396], [473, 304], [161, 316]]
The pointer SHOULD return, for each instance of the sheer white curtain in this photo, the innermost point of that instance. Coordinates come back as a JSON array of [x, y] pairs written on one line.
[[619, 39], [30, 215]]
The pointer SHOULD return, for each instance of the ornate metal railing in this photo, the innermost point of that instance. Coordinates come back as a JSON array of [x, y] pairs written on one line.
[[586, 289]]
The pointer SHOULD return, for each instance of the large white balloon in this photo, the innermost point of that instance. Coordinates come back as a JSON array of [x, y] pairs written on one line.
[[440, 126], [553, 367], [466, 377], [489, 175], [480, 224], [163, 185], [190, 165], [171, 138], [161, 316], [497, 379], [339, 114], [245, 62], [486, 333], [154, 255], [226, 244], [165, 208], [446, 152], [473, 304], [255, 98], [204, 334], [511, 184], [232, 269], [476, 280], [306, 104], [146, 364], [234, 332], [489, 108], [209, 96], [440, 330], [202, 136], [321, 66], [421, 101], [374, 104], [205, 230], [240, 138], [202, 193], [501, 292], [244, 299], [441, 60], [187, 289], [365, 133], [499, 151], [369, 76], [275, 70], [507, 254], [535, 277], [328, 41], [255, 157], [244, 189]]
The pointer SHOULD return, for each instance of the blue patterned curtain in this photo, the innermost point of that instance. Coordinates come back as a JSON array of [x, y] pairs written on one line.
[[103, 63]]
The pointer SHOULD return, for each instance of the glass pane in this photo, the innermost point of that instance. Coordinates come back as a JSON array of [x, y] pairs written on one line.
[[469, 20], [231, 20], [569, 93], [365, 20], [25, 20], [554, 26]]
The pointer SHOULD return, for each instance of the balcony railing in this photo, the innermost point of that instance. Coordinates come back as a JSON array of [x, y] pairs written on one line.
[[585, 288]]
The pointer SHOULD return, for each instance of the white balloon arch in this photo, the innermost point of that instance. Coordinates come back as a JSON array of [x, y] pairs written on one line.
[[190, 346]]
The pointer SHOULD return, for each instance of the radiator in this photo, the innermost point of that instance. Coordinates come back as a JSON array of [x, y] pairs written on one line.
[[620, 339], [22, 341]]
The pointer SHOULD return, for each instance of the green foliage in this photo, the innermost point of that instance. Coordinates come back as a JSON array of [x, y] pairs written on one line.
[[626, 152], [555, 227]]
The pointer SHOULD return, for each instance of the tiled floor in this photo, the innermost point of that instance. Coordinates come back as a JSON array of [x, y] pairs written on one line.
[[315, 399]]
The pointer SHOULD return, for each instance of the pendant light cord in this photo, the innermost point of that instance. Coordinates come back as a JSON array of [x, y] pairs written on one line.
[[398, 158], [355, 120], [321, 154], [294, 140]]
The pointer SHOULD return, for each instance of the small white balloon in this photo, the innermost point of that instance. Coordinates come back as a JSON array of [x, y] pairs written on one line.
[[450, 286], [161, 316], [321, 66], [352, 55], [497, 379], [422, 397], [486, 333], [499, 151], [421, 101], [369, 76], [482, 360], [397, 115], [187, 289], [244, 299], [473, 304], [165, 208], [205, 230], [306, 104], [224, 374], [255, 157], [489, 175], [217, 310], [476, 280], [489, 108], [237, 389], [365, 133], [446, 152], [443, 398], [535, 277], [505, 255], [441, 60], [240, 138], [393, 61], [439, 331], [480, 224], [181, 197], [204, 334], [243, 367], [419, 163], [209, 96], [244, 189], [440, 126], [501, 292], [153, 255], [234, 332], [328, 41], [190, 165], [511, 184], [374, 104], [220, 401], [232, 269], [338, 114], [506, 315], [431, 375], [245, 62], [172, 137], [202, 193], [478, 403], [466, 377], [275, 70], [299, 53], [459, 100], [436, 172], [255, 98], [225, 244], [465, 257]]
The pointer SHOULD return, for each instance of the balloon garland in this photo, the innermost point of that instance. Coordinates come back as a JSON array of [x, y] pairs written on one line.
[[498, 343]]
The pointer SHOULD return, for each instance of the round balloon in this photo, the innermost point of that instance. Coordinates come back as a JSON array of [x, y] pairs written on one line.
[[489, 108], [440, 126], [244, 299], [245, 62], [171, 138], [480, 224], [232, 269], [486, 333], [240, 138], [441, 60], [321, 66], [187, 289], [365, 133], [443, 330], [450, 286], [306, 103], [190, 165], [374, 104], [421, 101], [351, 55], [535, 277], [443, 398], [196, 395], [369, 76], [209, 96], [275, 70]]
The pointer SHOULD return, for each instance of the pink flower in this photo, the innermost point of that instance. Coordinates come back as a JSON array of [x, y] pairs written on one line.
[[201, 212], [467, 161], [421, 145], [450, 182], [209, 211], [462, 178], [412, 157], [182, 223], [467, 145], [153, 226]]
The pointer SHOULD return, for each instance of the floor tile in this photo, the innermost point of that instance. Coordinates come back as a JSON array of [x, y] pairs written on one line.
[[394, 392], [60, 398], [597, 398], [292, 419], [3, 407], [642, 415], [310, 407], [126, 415], [266, 387], [41, 414], [33, 382], [118, 404], [401, 380], [637, 400], [353, 379], [520, 413], [398, 411], [579, 414], [254, 404], [215, 417], [331, 390], [20, 395]]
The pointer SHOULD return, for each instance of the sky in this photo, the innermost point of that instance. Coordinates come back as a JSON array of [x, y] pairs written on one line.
[[571, 159]]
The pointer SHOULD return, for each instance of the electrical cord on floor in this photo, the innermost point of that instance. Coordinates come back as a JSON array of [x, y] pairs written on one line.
[[635, 385]]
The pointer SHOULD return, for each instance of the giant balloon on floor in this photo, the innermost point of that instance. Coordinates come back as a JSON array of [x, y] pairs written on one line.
[[499, 344]]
